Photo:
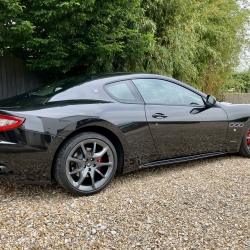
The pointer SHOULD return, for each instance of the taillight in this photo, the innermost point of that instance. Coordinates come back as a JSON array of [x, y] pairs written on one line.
[[10, 122]]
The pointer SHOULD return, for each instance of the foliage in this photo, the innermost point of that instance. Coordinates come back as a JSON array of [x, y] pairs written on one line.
[[239, 82], [78, 35], [197, 42]]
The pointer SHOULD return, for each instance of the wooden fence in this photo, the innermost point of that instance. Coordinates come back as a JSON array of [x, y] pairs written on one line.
[[237, 98], [15, 78]]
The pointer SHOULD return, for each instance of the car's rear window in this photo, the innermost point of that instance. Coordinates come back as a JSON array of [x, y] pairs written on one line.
[[59, 86], [123, 91]]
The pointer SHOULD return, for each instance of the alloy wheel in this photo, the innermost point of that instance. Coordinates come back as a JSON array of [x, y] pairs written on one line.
[[89, 165]]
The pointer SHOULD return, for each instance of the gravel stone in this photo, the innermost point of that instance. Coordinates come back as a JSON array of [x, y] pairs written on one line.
[[161, 232], [102, 227], [203, 204]]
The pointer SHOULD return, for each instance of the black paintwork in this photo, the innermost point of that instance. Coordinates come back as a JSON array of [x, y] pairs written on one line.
[[181, 159], [183, 133]]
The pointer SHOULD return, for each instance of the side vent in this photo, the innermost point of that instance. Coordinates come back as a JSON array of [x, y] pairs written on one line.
[[6, 169]]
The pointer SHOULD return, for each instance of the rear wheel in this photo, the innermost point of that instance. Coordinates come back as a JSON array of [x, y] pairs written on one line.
[[245, 143], [86, 164]]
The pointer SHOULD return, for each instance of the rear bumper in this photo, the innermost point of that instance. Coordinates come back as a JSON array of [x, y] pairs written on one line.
[[27, 156]]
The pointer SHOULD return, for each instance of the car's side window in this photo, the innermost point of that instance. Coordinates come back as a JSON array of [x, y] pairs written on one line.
[[123, 91], [156, 91]]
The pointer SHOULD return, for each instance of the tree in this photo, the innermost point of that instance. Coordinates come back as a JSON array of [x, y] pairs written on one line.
[[239, 82], [195, 41], [78, 35]]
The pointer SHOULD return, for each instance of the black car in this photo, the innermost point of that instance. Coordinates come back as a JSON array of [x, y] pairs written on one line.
[[83, 130]]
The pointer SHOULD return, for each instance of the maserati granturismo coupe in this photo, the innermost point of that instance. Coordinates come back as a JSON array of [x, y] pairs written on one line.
[[83, 130]]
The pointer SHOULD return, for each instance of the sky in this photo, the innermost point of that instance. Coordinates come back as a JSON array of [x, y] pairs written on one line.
[[245, 54]]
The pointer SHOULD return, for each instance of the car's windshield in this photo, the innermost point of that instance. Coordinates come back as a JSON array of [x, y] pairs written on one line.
[[59, 86]]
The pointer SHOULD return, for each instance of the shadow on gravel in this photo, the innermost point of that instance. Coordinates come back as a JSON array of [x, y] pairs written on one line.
[[12, 191]]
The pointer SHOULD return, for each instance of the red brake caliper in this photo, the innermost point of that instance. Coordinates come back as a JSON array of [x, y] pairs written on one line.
[[248, 136], [99, 160]]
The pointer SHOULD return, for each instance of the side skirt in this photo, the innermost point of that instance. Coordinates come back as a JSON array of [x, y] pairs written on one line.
[[181, 159], [6, 179]]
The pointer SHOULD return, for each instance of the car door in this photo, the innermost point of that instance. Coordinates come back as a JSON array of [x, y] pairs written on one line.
[[180, 122], [128, 114]]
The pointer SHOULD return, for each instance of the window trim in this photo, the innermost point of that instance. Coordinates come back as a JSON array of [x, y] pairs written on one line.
[[166, 104], [134, 91]]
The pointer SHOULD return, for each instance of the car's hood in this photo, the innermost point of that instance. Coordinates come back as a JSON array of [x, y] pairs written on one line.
[[226, 103], [236, 112], [230, 105]]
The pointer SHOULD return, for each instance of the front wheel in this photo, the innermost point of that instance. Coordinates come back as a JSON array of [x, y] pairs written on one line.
[[245, 143], [86, 164]]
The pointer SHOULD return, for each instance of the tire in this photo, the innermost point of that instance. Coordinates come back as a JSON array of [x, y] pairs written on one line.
[[245, 143], [86, 164]]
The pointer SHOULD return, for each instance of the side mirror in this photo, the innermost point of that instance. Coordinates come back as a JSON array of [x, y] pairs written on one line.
[[210, 101]]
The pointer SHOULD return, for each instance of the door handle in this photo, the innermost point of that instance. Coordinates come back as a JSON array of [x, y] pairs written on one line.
[[159, 116]]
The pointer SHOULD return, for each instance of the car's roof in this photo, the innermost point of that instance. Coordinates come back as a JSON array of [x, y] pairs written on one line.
[[131, 75], [122, 75], [114, 74]]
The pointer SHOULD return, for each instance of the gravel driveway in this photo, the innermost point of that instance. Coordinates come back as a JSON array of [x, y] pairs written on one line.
[[197, 205]]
